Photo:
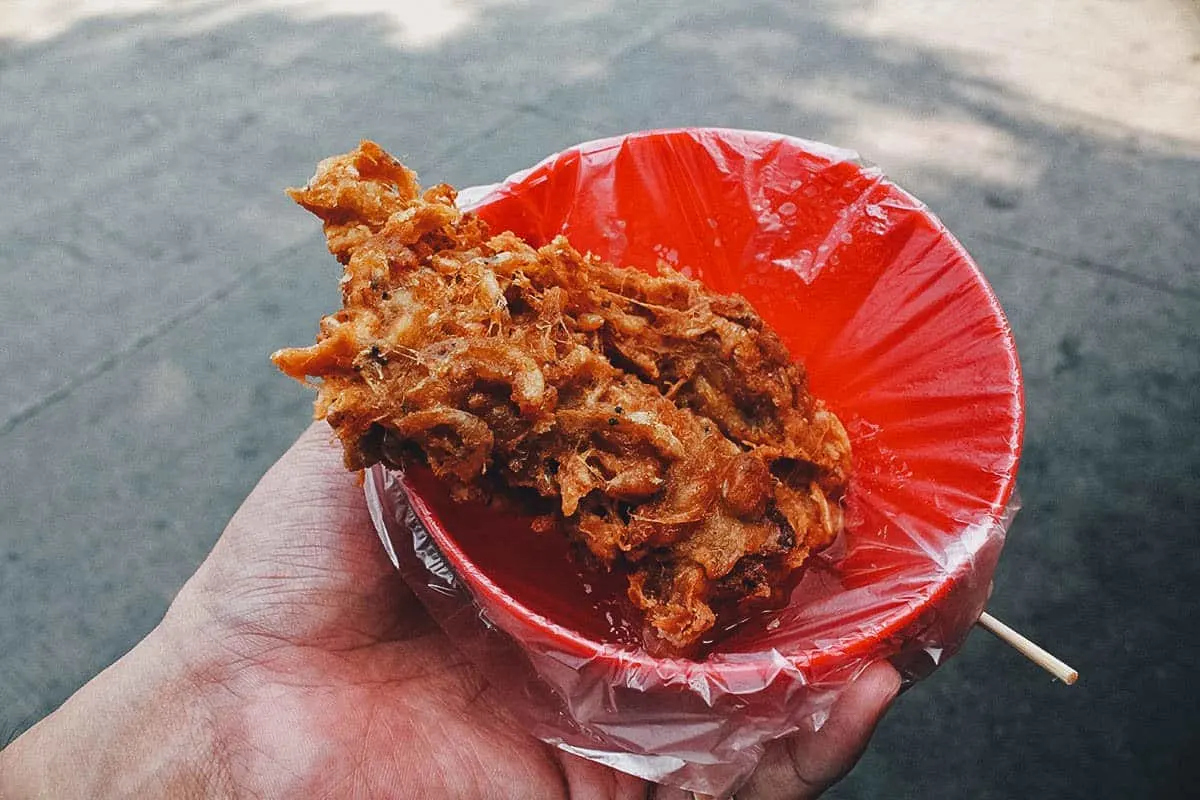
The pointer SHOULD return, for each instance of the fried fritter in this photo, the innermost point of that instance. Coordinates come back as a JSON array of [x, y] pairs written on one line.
[[667, 424]]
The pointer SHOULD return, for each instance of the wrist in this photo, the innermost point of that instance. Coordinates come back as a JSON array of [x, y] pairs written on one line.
[[136, 729]]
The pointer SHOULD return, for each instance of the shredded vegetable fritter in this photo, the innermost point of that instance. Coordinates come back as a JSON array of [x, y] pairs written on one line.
[[667, 424]]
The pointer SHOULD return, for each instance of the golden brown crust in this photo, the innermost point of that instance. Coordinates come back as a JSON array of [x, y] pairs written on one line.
[[667, 423]]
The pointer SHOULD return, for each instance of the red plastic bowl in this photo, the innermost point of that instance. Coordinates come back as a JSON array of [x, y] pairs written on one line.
[[902, 337]]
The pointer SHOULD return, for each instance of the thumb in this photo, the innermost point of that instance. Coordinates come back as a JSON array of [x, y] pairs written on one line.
[[807, 763], [300, 559], [306, 511]]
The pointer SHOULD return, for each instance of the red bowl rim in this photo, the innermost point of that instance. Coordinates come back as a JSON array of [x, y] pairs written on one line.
[[718, 667]]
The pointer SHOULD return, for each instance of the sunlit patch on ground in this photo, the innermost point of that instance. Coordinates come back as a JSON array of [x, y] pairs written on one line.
[[413, 23]]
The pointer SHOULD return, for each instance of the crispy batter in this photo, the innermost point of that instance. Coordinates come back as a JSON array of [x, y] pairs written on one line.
[[666, 423]]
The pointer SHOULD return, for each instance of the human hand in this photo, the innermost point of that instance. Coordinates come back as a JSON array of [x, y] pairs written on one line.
[[296, 663]]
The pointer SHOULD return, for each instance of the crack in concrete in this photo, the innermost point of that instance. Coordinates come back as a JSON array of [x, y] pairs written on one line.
[[148, 337], [1088, 265]]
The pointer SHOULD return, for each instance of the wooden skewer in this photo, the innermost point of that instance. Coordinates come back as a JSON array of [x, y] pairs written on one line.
[[1028, 649]]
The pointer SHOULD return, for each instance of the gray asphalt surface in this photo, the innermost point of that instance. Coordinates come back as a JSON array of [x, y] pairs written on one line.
[[149, 262]]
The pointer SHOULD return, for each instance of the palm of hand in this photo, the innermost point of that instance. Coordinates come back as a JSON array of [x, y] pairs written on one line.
[[319, 675], [325, 678]]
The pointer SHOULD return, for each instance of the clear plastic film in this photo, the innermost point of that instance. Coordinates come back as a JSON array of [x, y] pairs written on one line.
[[902, 338]]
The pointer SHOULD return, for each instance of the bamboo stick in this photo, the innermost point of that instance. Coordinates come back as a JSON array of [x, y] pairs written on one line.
[[1028, 649]]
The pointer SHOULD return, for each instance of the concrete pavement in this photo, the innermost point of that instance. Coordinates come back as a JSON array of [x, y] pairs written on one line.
[[149, 262]]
